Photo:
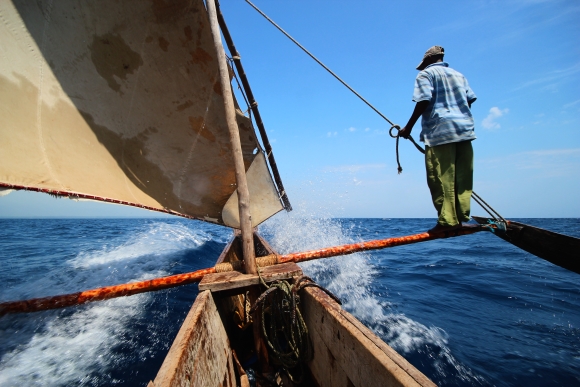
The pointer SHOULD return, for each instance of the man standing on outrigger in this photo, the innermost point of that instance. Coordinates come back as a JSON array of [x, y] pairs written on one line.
[[444, 99]]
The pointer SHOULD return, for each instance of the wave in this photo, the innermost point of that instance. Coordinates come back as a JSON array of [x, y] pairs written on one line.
[[66, 347], [352, 278]]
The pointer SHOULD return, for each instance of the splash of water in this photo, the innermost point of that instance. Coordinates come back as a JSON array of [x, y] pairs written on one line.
[[65, 347], [351, 278], [159, 240]]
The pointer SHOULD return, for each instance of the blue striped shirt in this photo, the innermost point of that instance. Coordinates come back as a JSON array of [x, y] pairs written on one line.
[[448, 118]]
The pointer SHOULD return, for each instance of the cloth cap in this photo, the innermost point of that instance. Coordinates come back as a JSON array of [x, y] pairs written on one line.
[[435, 50]]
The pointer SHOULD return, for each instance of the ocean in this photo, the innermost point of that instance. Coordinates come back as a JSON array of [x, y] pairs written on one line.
[[467, 311]]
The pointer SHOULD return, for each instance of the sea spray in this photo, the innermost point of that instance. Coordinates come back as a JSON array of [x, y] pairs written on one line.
[[352, 278], [83, 345], [469, 311]]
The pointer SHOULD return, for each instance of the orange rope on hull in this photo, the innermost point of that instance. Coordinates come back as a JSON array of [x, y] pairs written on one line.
[[62, 301]]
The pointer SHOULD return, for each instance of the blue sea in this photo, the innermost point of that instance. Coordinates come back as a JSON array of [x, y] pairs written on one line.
[[467, 311]]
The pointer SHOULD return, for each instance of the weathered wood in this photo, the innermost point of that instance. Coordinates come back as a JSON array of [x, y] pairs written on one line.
[[244, 381], [254, 106], [233, 279], [201, 353], [229, 253], [230, 114], [346, 353], [559, 249]]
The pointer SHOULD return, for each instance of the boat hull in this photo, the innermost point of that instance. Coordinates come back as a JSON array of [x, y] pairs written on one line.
[[561, 250], [345, 352]]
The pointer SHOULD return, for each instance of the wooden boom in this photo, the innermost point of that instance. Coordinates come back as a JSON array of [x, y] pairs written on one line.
[[104, 293]]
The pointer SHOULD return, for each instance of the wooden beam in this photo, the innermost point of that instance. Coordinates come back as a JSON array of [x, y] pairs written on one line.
[[233, 279], [254, 106], [230, 113]]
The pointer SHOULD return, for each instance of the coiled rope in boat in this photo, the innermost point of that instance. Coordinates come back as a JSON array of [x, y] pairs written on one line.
[[283, 326]]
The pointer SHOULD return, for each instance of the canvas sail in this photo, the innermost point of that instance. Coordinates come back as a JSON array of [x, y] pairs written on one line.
[[120, 101]]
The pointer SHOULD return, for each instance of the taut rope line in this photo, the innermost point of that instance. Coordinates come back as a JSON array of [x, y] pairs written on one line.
[[477, 198]]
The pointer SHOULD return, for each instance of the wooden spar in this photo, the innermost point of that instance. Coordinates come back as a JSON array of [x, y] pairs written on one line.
[[62, 301], [230, 114], [55, 302], [559, 249], [373, 245], [254, 106]]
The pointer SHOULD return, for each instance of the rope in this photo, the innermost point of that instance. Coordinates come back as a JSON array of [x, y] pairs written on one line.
[[485, 206], [319, 62], [500, 227], [397, 136], [393, 125], [268, 260], [283, 326], [229, 266]]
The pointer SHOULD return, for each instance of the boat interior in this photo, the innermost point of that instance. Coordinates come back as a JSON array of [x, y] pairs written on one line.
[[216, 343]]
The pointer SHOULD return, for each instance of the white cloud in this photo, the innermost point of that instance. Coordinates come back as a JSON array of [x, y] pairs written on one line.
[[367, 129], [568, 105], [489, 122], [552, 79], [352, 129], [331, 134]]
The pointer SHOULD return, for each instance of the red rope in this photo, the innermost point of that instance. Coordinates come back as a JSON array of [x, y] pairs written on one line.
[[92, 197]]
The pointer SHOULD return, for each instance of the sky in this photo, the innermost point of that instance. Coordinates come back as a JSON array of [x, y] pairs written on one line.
[[521, 58]]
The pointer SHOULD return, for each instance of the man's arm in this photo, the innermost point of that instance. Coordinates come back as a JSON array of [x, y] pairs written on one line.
[[419, 109]]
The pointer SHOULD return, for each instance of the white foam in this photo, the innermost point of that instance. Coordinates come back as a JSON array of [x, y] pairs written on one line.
[[160, 239], [350, 278], [347, 277], [56, 351], [68, 349]]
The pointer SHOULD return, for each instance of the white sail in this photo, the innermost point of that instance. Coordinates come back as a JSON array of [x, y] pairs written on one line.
[[120, 101]]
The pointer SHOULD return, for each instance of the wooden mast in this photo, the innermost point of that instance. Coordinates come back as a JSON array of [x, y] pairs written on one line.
[[243, 192], [254, 106]]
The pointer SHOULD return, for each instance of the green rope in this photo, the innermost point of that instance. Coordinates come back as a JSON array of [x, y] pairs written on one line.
[[284, 329], [283, 326]]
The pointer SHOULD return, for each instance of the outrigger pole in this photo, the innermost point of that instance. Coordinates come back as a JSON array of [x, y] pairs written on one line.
[[62, 301]]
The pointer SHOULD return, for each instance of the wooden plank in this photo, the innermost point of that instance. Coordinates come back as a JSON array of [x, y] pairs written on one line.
[[559, 249], [233, 279], [362, 356], [324, 366], [201, 353], [229, 253]]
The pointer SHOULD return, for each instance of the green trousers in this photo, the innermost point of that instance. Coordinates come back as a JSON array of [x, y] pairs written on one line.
[[450, 179]]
